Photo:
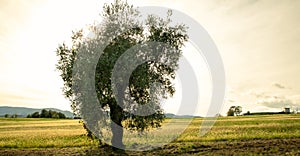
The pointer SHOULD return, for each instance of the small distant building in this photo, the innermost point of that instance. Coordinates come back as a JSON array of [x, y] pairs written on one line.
[[287, 110]]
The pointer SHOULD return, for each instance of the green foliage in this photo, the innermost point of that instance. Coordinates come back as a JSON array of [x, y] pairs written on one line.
[[234, 111], [35, 115], [47, 114], [11, 116], [230, 112], [154, 29], [238, 110]]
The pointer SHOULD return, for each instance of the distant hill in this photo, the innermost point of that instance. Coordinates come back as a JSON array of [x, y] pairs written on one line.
[[170, 115], [24, 111]]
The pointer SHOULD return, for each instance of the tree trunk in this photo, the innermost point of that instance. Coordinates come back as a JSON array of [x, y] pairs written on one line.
[[116, 127]]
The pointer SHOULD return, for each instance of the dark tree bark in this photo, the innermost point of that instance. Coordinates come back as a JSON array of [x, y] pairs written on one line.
[[116, 115]]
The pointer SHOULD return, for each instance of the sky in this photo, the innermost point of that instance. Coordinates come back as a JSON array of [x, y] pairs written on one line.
[[257, 39]]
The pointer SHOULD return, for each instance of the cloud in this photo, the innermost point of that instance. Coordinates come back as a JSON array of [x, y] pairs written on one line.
[[258, 94], [8, 98], [276, 102], [274, 99], [279, 102], [278, 85]]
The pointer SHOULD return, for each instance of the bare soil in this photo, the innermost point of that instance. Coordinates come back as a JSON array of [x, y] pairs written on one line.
[[252, 147]]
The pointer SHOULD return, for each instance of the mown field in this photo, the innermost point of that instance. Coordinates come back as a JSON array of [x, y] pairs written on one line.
[[244, 135]]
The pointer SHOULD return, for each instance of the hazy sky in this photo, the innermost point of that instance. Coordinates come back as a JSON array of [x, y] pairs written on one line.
[[259, 41]]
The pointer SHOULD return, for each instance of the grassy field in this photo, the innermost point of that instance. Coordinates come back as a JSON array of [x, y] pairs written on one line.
[[245, 135]]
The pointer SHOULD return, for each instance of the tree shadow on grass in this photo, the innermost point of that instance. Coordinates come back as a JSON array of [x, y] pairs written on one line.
[[105, 150]]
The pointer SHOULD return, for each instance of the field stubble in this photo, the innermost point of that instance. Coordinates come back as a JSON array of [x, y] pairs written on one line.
[[245, 135]]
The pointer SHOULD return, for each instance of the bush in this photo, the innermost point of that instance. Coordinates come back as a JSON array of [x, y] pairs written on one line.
[[47, 114]]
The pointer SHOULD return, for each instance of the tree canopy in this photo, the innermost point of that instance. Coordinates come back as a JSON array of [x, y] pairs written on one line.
[[47, 114], [234, 111], [120, 100]]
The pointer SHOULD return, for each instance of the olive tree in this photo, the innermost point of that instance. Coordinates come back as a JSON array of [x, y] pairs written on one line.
[[122, 103]]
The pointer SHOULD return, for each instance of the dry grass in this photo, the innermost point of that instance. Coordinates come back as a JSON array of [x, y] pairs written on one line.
[[42, 133], [69, 134]]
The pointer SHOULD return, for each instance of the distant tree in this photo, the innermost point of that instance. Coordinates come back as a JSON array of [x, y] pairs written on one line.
[[154, 29], [231, 111], [50, 114], [47, 114], [238, 110], [35, 115], [248, 113], [234, 111], [54, 115], [14, 116], [61, 115], [6, 115], [44, 113]]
